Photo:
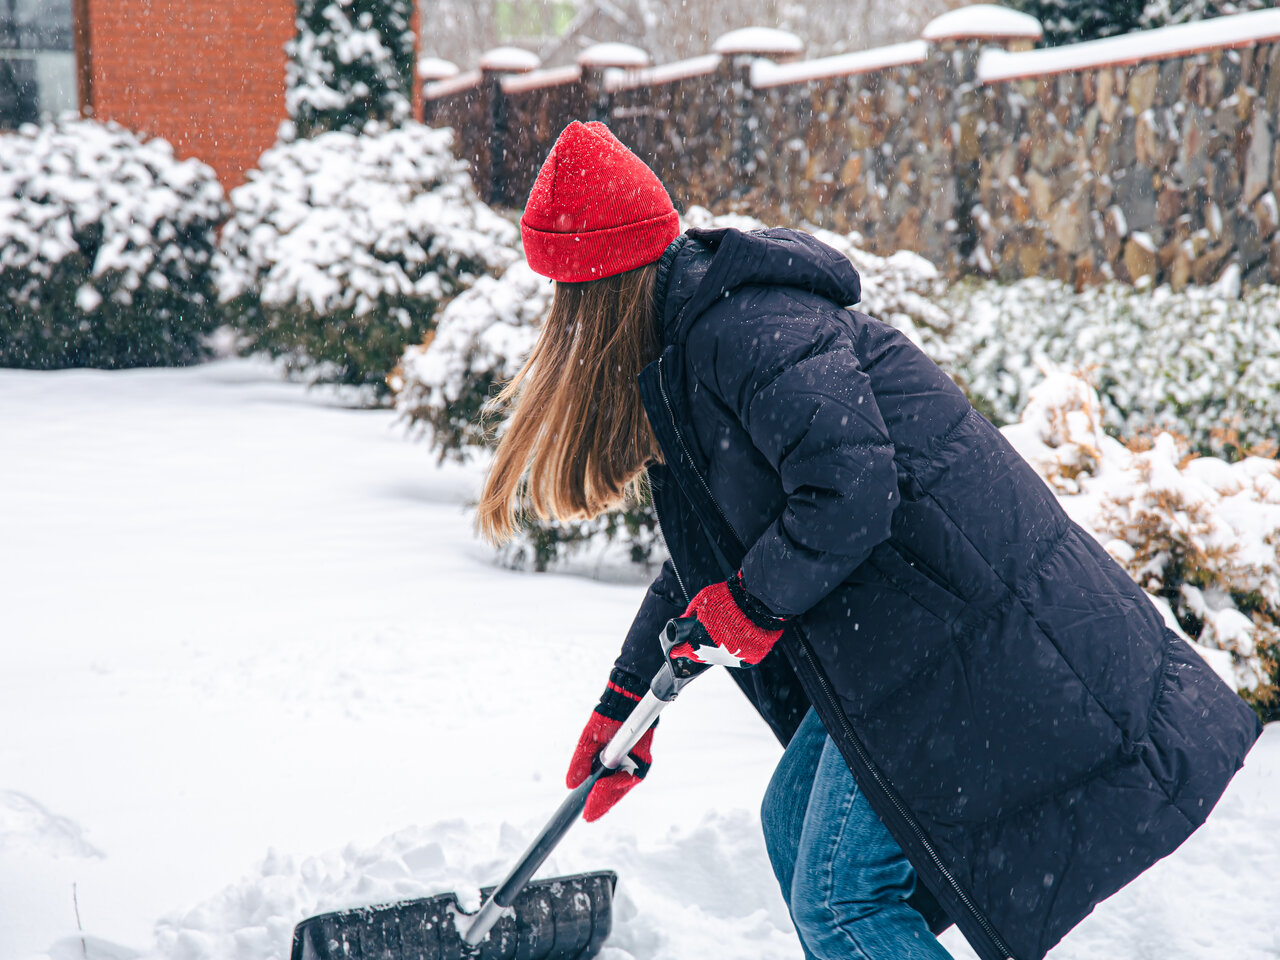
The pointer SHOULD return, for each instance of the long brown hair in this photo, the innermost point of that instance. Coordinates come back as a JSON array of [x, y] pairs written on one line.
[[577, 437]]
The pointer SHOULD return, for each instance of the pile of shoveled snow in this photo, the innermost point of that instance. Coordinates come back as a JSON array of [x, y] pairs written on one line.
[[672, 899], [708, 891]]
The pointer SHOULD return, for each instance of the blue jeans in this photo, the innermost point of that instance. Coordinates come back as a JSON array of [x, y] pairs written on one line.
[[845, 879]]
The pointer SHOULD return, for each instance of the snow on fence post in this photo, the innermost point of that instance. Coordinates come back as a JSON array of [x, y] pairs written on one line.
[[955, 41], [738, 50], [490, 177], [599, 63], [431, 69]]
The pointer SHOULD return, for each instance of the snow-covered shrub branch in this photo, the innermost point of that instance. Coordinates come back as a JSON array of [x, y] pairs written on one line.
[[629, 534], [1202, 362], [106, 248], [350, 65], [1199, 534], [1162, 13], [341, 248]]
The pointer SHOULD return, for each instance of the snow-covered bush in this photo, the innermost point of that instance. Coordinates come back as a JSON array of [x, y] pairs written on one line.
[[341, 248], [1162, 13], [350, 64], [1201, 535], [630, 534], [443, 386], [444, 390], [106, 248], [1202, 362], [1071, 21], [1060, 432]]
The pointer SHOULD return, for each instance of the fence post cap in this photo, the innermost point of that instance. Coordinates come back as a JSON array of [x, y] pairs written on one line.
[[623, 55], [509, 60], [983, 21], [435, 68], [763, 41]]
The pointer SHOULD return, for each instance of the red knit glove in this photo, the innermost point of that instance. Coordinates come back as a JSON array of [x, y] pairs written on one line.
[[620, 697], [739, 630]]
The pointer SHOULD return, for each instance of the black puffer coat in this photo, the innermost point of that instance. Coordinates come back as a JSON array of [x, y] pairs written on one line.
[[1009, 700]]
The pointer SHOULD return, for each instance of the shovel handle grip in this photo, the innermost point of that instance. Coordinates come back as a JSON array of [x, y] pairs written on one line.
[[632, 729]]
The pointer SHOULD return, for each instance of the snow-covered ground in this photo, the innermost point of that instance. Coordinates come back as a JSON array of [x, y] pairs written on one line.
[[255, 666]]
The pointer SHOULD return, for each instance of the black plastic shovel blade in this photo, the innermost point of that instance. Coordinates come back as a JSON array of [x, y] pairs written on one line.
[[564, 918]]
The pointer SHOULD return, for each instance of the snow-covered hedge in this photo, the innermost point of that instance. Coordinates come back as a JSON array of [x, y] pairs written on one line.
[[1203, 362], [1201, 535], [341, 248], [106, 248]]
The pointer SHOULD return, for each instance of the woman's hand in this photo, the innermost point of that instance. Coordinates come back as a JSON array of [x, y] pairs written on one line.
[[620, 697], [737, 629]]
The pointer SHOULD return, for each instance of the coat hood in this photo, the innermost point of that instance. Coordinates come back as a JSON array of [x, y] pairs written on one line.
[[701, 266]]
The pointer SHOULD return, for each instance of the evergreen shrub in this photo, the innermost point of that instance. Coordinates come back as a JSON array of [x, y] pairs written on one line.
[[444, 387], [350, 65], [1163, 13], [629, 534], [444, 392], [107, 245], [1201, 363], [341, 248], [1073, 21]]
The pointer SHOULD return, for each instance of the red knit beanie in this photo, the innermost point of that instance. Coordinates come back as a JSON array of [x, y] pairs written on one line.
[[595, 209]]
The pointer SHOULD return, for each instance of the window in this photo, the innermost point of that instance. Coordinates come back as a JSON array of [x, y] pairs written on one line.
[[37, 60]]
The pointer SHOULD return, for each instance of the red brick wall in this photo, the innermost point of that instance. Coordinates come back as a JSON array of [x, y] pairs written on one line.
[[207, 75]]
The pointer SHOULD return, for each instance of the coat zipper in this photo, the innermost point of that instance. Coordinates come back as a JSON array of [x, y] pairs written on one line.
[[886, 788], [674, 569]]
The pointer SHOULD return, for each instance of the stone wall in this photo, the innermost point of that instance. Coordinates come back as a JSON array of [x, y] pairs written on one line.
[[873, 152], [701, 159], [1162, 169], [1148, 156]]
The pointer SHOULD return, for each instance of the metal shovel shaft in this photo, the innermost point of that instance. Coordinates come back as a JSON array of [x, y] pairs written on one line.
[[665, 686], [611, 757]]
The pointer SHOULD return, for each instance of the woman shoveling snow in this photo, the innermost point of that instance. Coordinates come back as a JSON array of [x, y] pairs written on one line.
[[986, 720]]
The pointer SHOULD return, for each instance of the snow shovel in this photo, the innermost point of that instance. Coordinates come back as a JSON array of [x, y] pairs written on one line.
[[562, 918]]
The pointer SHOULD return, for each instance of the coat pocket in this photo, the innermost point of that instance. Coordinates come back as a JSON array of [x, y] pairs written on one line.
[[909, 575]]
